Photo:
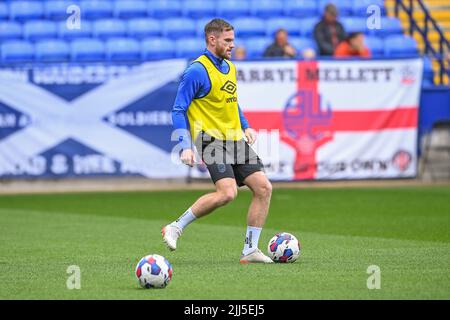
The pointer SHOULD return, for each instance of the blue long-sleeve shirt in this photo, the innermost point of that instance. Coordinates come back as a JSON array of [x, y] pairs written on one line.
[[195, 83]]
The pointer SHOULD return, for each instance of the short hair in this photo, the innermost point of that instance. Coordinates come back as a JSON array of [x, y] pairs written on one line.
[[281, 30], [217, 26], [353, 35]]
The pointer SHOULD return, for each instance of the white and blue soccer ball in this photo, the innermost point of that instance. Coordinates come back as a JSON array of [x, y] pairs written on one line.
[[154, 271], [283, 247]]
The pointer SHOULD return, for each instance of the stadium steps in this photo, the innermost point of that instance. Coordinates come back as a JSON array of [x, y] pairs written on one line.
[[440, 11]]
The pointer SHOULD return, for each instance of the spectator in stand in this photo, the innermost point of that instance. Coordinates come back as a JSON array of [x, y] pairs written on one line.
[[280, 47], [353, 46], [240, 53], [329, 32], [308, 54]]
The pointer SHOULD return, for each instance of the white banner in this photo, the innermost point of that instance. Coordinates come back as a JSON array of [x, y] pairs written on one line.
[[352, 119]]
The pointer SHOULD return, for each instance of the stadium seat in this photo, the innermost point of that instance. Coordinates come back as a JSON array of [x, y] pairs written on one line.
[[126, 9], [87, 50], [10, 30], [229, 9], [345, 7], [26, 10], [301, 8], [389, 26], [52, 50], [249, 27], [144, 27], [123, 49], [190, 47], [301, 43], [157, 48], [96, 9], [255, 47], [360, 7], [175, 28], [39, 29], [354, 24], [163, 9], [16, 51], [266, 8], [291, 25], [399, 45], [428, 73], [57, 9], [4, 11], [108, 28], [375, 44], [198, 8], [307, 26], [85, 30]]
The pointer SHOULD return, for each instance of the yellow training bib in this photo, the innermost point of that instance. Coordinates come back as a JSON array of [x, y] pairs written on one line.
[[216, 113]]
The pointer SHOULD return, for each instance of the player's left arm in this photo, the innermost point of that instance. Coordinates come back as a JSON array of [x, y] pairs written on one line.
[[250, 133]]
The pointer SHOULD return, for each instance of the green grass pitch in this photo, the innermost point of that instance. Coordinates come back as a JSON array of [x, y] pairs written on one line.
[[405, 231]]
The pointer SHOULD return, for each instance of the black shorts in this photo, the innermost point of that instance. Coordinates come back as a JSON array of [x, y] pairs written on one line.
[[228, 159]]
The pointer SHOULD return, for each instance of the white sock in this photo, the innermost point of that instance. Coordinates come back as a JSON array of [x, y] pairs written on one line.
[[251, 240], [186, 218]]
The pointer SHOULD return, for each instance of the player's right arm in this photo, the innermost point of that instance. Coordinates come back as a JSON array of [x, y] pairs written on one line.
[[191, 84]]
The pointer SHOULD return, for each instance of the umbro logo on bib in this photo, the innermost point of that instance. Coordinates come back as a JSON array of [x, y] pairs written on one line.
[[229, 87]]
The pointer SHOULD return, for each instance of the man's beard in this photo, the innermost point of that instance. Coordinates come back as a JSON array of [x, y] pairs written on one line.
[[222, 53]]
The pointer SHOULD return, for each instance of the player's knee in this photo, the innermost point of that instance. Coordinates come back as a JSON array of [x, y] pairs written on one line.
[[226, 196], [264, 190]]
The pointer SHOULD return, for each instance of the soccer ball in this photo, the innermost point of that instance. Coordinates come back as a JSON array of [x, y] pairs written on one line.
[[284, 247], [154, 271]]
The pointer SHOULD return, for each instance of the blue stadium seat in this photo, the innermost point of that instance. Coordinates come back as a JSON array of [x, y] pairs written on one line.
[[163, 9], [4, 11], [389, 26], [307, 26], [108, 28], [123, 49], [399, 45], [157, 48], [39, 29], [249, 27], [52, 50], [144, 27], [26, 10], [375, 44], [87, 50], [175, 28], [345, 7], [255, 47], [301, 43], [291, 25], [57, 9], [360, 7], [190, 47], [266, 8], [200, 26], [85, 30], [96, 9], [16, 51], [354, 24], [428, 73], [198, 8], [301, 8], [229, 9], [130, 9], [10, 30]]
